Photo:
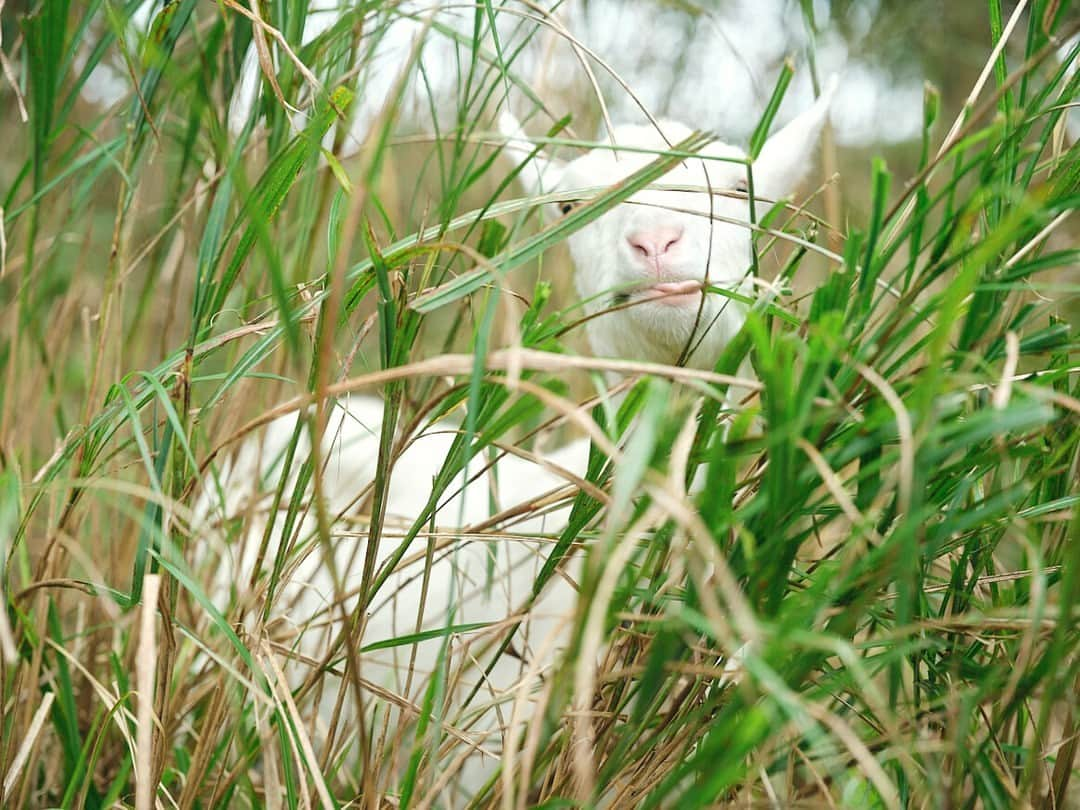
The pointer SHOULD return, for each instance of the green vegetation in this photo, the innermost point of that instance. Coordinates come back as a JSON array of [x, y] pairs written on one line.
[[892, 522]]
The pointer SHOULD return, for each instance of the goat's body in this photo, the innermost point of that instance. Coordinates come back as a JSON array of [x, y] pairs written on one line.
[[479, 582]]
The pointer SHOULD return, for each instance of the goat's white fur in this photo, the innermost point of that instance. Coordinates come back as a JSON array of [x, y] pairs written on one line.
[[473, 581]]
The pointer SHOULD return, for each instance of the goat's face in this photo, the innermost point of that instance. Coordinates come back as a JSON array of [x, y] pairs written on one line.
[[648, 263], [647, 269]]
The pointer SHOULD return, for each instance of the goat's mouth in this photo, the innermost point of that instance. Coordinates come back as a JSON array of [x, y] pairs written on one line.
[[668, 293], [675, 293]]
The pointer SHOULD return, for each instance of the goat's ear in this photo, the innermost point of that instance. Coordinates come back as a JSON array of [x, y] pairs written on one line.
[[542, 174], [788, 154]]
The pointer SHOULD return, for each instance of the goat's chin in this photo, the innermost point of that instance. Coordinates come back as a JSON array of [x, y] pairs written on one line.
[[674, 324], [671, 329]]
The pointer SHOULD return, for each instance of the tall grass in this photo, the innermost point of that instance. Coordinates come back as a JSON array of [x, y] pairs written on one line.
[[891, 523]]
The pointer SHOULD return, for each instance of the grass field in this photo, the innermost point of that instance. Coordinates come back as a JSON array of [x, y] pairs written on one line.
[[891, 522]]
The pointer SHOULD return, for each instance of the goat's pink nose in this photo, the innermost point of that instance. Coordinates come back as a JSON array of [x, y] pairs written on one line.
[[655, 242]]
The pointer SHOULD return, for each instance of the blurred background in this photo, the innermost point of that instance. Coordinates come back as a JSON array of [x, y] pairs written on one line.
[[711, 65]]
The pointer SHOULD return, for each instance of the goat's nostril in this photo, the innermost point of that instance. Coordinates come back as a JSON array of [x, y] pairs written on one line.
[[670, 244]]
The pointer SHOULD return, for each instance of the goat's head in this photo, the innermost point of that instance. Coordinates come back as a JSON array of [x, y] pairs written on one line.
[[651, 259]]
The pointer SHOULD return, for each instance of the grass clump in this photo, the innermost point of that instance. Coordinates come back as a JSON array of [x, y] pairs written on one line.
[[890, 523]]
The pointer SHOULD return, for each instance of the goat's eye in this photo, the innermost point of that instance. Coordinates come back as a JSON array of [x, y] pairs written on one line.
[[741, 187], [567, 207]]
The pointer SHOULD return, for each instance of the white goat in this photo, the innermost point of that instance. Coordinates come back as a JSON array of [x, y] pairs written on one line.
[[651, 257]]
